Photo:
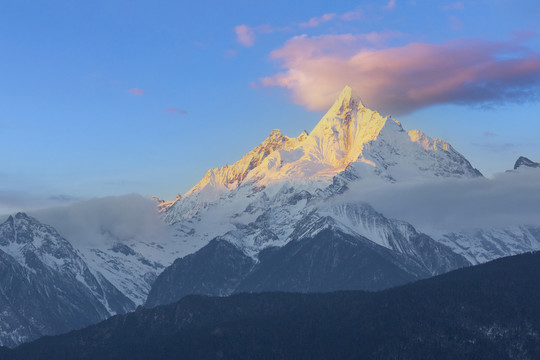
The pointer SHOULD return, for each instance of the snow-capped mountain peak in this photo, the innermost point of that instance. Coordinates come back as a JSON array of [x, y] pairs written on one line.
[[219, 180], [347, 100], [349, 136], [277, 183]]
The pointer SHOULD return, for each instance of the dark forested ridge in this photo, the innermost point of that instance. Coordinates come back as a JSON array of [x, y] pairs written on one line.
[[488, 311]]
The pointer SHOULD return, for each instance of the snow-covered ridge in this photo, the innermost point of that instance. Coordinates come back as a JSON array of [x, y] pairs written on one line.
[[258, 201], [348, 135], [218, 180]]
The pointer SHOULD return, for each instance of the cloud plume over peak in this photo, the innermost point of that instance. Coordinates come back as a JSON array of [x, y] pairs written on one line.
[[402, 79]]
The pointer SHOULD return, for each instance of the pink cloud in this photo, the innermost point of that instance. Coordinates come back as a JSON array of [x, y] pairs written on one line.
[[316, 21], [245, 35], [229, 53], [405, 78], [176, 111], [352, 15], [489, 134], [136, 91], [390, 5]]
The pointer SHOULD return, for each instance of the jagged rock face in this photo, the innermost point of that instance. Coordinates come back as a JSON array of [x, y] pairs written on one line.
[[329, 261], [217, 269], [523, 161], [46, 287], [320, 255]]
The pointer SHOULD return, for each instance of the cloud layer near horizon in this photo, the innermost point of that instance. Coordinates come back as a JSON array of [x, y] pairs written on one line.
[[401, 79], [450, 205], [105, 220]]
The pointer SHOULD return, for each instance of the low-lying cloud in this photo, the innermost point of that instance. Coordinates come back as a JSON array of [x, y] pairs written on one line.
[[105, 220], [12, 201], [509, 199], [401, 79]]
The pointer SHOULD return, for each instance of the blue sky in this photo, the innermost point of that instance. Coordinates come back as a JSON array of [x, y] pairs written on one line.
[[112, 97]]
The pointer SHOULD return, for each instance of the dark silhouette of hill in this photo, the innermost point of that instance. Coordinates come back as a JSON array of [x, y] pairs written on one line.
[[489, 311]]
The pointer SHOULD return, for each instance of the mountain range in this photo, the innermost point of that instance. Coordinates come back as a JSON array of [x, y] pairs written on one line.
[[488, 311], [285, 217]]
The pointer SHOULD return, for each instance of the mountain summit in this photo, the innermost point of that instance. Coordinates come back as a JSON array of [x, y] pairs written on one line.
[[525, 162], [349, 136], [347, 99]]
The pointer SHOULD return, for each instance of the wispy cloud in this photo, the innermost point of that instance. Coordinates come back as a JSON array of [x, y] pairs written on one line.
[[13, 201], [136, 91], [230, 53], [496, 147], [245, 35], [390, 5], [319, 20], [316, 21], [402, 79], [509, 199], [488, 134], [176, 111], [454, 6], [352, 15]]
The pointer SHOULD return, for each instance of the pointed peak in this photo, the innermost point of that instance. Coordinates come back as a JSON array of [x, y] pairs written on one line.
[[275, 132], [276, 136], [346, 92], [303, 136], [350, 96], [21, 215], [523, 161], [347, 99]]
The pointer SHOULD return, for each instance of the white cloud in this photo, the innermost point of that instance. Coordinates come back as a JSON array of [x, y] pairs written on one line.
[[509, 199], [98, 220]]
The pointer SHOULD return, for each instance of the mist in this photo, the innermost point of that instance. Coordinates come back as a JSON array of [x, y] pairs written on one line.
[[104, 220], [12, 201], [450, 205]]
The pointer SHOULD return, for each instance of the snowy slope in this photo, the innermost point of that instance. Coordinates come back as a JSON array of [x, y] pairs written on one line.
[[482, 245], [45, 286], [258, 199]]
